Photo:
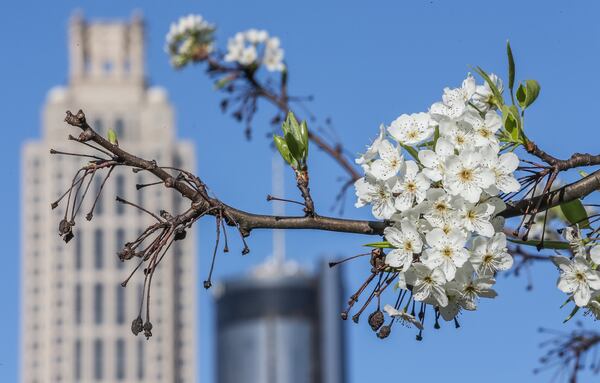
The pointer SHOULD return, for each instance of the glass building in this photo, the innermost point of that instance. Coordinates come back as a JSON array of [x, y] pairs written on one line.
[[281, 325]]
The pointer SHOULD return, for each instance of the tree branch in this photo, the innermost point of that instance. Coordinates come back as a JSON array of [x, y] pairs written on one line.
[[576, 160], [203, 204], [567, 193]]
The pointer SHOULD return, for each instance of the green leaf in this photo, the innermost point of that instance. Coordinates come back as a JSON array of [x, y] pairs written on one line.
[[413, 152], [511, 68], [380, 245], [222, 82], [304, 136], [498, 100], [558, 245], [512, 122], [573, 312], [575, 213], [284, 151], [528, 93], [112, 137], [294, 147]]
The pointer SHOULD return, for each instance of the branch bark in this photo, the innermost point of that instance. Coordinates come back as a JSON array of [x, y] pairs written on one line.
[[567, 193]]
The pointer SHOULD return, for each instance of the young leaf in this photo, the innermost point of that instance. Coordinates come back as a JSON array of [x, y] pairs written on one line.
[[575, 213], [511, 68], [412, 151], [573, 312], [380, 245], [558, 245], [512, 122], [304, 135], [112, 137], [528, 93], [294, 147], [284, 151]]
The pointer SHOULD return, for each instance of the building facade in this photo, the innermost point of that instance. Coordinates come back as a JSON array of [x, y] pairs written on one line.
[[281, 325], [76, 317]]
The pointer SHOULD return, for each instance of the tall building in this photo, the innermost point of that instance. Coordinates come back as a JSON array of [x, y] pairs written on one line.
[[76, 317], [281, 325]]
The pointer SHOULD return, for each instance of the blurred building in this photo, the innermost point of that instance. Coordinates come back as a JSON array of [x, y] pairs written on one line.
[[281, 325], [76, 317]]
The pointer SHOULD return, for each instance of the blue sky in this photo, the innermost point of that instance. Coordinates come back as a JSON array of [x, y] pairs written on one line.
[[365, 63]]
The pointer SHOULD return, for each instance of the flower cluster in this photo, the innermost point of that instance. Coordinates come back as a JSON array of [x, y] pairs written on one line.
[[255, 47], [189, 39], [445, 234], [578, 275]]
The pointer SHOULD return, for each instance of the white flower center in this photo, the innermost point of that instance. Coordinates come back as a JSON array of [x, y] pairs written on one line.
[[466, 175], [447, 252]]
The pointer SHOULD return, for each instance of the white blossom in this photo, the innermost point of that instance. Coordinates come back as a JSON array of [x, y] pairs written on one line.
[[476, 218], [459, 132], [454, 101], [373, 149], [406, 242], [470, 288], [412, 129], [490, 255], [403, 316], [378, 193], [465, 175], [484, 129], [434, 161], [578, 278], [446, 251], [502, 169], [411, 187], [447, 239], [390, 161], [482, 98], [427, 283], [439, 207], [255, 47], [273, 58]]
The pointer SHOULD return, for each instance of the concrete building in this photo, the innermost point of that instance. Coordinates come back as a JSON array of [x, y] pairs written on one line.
[[76, 317]]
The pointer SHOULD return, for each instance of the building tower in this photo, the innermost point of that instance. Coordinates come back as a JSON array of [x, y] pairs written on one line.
[[281, 324], [76, 317]]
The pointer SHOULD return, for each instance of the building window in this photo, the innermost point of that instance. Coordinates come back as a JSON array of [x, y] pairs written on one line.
[[98, 248], [120, 359], [78, 249], [120, 193], [98, 359], [120, 128], [140, 359], [98, 295], [78, 303], [120, 242], [77, 360], [107, 66], [120, 304]]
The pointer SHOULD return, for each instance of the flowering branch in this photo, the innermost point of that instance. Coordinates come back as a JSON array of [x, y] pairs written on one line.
[[440, 184], [191, 40]]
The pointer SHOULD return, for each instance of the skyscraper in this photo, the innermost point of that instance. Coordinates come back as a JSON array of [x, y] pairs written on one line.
[[281, 324], [76, 317]]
